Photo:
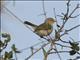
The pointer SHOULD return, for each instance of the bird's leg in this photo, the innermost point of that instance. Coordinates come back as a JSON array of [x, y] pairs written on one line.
[[41, 37]]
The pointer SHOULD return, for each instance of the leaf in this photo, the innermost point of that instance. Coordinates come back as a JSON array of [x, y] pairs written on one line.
[[44, 51], [61, 47], [1, 44], [72, 52], [6, 55], [10, 55], [57, 35], [58, 25], [6, 41], [4, 35], [73, 43], [17, 51], [74, 46], [14, 48]]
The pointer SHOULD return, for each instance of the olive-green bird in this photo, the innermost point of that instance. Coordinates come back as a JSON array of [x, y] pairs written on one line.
[[43, 29]]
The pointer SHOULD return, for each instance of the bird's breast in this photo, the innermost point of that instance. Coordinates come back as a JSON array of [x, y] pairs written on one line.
[[44, 32]]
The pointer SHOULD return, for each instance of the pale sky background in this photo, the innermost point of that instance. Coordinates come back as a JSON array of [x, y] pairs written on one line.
[[22, 37]]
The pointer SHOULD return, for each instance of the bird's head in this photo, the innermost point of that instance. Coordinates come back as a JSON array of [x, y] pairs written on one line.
[[50, 21]]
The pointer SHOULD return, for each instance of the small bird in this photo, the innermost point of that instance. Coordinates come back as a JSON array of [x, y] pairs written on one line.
[[43, 29]]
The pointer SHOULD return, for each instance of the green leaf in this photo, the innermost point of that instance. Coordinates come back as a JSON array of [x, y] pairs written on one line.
[[44, 51], [4, 35], [1, 44], [74, 46], [73, 43], [6, 55], [6, 41], [14, 48], [10, 55]]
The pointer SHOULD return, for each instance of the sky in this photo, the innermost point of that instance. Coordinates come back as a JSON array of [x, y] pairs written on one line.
[[31, 11]]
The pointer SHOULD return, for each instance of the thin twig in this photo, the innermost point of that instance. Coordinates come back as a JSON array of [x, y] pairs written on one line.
[[16, 56], [55, 18], [59, 52], [16, 17], [44, 9], [68, 4], [75, 16], [69, 30], [52, 43], [74, 10], [32, 46], [36, 51], [62, 45], [72, 28]]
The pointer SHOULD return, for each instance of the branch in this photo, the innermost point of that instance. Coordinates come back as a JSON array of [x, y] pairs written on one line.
[[70, 30], [68, 4], [44, 9], [75, 16], [32, 46], [56, 18], [62, 45], [16, 17], [66, 17], [74, 10], [59, 52], [36, 51]]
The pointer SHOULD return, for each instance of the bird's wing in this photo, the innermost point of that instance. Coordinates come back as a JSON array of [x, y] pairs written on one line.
[[43, 27]]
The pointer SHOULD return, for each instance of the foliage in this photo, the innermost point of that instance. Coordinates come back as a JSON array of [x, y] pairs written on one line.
[[7, 55]]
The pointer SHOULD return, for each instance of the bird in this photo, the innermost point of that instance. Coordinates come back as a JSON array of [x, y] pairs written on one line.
[[43, 29]]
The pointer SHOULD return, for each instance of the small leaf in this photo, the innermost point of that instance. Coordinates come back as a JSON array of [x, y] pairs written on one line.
[[73, 43], [58, 25], [10, 55], [74, 46], [6, 41], [4, 35], [17, 51], [6, 55], [72, 52], [1, 44], [44, 51], [57, 35], [70, 43], [14, 48]]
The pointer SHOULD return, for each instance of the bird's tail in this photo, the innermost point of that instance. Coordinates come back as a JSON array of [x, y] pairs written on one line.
[[30, 24]]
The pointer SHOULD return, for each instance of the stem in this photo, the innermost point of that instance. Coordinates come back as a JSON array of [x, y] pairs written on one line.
[[44, 10], [17, 17], [16, 56], [45, 57]]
